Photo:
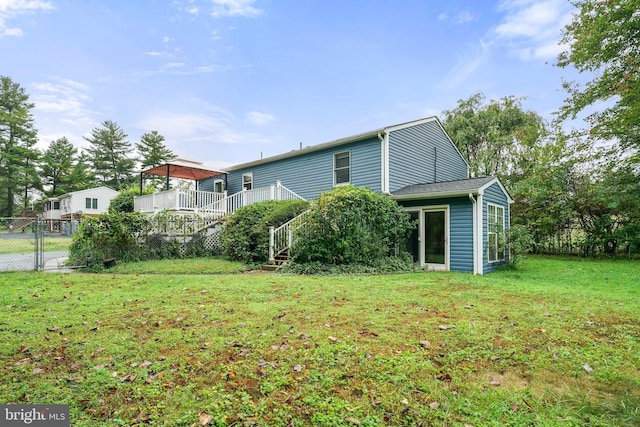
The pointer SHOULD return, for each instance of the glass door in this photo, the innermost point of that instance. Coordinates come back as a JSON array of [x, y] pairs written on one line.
[[435, 238]]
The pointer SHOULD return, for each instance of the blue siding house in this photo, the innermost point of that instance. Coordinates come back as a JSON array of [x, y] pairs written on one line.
[[459, 220]]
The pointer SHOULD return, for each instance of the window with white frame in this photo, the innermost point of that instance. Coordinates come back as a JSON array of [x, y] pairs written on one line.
[[342, 168], [90, 203], [218, 186], [247, 181], [495, 230]]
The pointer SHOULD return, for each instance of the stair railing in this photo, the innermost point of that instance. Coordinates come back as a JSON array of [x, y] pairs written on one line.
[[281, 238]]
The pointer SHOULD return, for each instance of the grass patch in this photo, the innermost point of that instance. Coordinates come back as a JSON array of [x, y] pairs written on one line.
[[553, 343], [24, 246], [181, 266]]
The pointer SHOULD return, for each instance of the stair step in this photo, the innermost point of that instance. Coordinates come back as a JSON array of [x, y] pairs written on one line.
[[269, 267]]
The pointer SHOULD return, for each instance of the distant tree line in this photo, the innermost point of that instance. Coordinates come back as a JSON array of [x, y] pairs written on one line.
[[27, 173]]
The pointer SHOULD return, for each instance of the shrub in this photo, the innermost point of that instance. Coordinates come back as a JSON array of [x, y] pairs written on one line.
[[245, 236], [519, 243], [115, 235], [123, 202], [350, 225]]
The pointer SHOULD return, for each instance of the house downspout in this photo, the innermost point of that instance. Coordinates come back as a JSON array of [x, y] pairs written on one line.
[[384, 157], [480, 236], [475, 235]]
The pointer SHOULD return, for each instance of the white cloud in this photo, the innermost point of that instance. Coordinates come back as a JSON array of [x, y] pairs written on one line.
[[259, 119], [463, 18], [234, 8], [154, 53], [532, 28], [12, 9], [174, 65], [467, 64], [61, 109], [443, 17], [166, 39]]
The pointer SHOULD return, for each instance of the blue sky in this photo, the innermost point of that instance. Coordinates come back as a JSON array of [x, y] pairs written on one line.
[[226, 81]]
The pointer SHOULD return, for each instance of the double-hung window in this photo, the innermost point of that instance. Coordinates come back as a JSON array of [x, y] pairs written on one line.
[[247, 181], [495, 230], [342, 168]]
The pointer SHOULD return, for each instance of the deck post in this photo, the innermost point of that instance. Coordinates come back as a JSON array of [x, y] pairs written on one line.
[[272, 256]]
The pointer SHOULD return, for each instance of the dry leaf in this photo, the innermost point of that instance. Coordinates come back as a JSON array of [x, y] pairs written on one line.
[[37, 370], [333, 339], [297, 368], [22, 362], [425, 343], [98, 367], [204, 419], [303, 336], [446, 327], [587, 368], [353, 421], [52, 328], [434, 405], [494, 382], [145, 364]]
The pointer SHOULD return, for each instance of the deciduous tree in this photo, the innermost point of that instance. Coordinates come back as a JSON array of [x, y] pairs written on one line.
[[604, 38]]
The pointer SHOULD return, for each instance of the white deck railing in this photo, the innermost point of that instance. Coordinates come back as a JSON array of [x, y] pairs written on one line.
[[209, 203], [177, 200], [281, 238]]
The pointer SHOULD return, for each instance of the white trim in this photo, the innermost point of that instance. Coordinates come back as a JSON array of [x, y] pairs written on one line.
[[216, 181], [495, 180], [504, 214], [336, 184], [479, 242], [384, 167]]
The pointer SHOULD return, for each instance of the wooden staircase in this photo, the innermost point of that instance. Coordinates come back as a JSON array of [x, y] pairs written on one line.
[[278, 261]]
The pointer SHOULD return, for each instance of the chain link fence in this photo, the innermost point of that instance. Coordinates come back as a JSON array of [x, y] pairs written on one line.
[[26, 244]]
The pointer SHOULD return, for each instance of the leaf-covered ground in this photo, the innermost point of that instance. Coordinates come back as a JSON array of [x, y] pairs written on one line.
[[554, 343]]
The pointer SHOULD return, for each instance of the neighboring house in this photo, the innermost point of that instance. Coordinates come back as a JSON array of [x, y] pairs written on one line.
[[89, 202], [459, 221]]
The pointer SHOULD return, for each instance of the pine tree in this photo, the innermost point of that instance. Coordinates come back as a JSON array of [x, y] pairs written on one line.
[[108, 155], [57, 166], [152, 150], [18, 156]]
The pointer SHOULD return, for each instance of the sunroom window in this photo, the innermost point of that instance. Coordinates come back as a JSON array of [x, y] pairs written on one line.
[[495, 230]]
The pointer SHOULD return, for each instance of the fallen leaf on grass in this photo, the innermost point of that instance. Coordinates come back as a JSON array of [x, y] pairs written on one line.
[[297, 368], [98, 367], [494, 382], [446, 327], [204, 419], [425, 343], [434, 405], [37, 370], [24, 349], [333, 339], [515, 408], [244, 352], [587, 368], [52, 328], [353, 421], [145, 364], [303, 336], [22, 362]]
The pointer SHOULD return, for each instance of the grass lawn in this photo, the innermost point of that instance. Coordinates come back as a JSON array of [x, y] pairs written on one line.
[[24, 246], [555, 343]]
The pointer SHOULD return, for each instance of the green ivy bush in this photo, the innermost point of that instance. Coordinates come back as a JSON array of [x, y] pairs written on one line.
[[114, 235], [353, 226], [123, 202], [519, 243], [245, 236]]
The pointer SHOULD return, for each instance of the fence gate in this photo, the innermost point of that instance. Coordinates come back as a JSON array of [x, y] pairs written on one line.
[[38, 246]]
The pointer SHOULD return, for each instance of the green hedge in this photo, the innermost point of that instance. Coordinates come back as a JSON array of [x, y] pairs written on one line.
[[350, 226]]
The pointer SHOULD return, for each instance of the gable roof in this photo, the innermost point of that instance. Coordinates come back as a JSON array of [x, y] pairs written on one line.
[[86, 190], [460, 187], [341, 141]]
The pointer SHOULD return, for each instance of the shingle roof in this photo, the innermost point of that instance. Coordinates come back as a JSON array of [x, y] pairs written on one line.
[[460, 186]]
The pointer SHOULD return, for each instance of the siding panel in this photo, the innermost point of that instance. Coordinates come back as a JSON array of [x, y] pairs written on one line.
[[311, 174], [460, 229], [423, 154]]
